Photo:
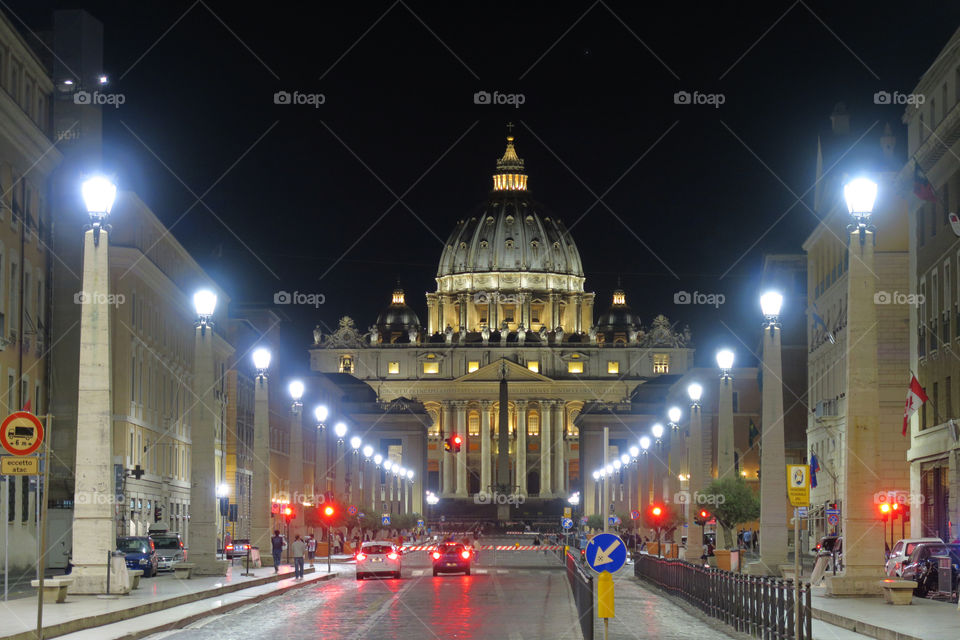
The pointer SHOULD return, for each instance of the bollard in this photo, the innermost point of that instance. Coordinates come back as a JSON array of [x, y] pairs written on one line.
[[109, 560]]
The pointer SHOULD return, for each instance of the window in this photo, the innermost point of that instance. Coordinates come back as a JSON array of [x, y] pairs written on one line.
[[346, 364], [473, 426], [574, 367], [508, 312], [736, 402], [533, 424], [533, 365], [472, 366], [613, 366], [431, 367], [661, 363], [393, 367]]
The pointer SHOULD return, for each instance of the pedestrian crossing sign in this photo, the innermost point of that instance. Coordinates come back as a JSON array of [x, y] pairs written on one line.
[[385, 520]]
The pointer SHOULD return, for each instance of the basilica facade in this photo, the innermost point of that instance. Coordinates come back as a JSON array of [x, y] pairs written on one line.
[[510, 305]]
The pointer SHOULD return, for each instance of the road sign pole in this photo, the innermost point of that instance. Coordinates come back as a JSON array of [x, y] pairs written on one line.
[[796, 570], [43, 529]]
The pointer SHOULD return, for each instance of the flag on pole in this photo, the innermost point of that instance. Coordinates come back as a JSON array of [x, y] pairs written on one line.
[[819, 322], [921, 186], [814, 467], [26, 407], [753, 434], [915, 397]]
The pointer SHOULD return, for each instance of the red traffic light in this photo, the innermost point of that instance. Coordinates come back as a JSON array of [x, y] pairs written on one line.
[[704, 514], [287, 511], [456, 441], [328, 511], [657, 511], [884, 508]]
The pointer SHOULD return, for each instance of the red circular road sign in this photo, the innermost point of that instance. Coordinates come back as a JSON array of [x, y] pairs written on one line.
[[352, 510], [21, 433]]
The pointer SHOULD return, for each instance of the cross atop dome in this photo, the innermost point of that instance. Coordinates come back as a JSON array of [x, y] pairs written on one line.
[[509, 175]]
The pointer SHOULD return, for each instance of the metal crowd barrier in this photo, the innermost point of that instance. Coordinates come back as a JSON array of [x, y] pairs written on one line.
[[761, 606], [581, 583]]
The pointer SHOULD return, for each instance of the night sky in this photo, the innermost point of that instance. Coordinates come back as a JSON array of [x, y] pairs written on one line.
[[347, 198]]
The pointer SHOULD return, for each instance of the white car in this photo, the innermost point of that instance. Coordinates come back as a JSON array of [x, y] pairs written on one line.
[[379, 558], [901, 551]]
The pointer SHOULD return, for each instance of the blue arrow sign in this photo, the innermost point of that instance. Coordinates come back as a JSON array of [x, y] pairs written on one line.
[[420, 522], [566, 523], [385, 520], [606, 552]]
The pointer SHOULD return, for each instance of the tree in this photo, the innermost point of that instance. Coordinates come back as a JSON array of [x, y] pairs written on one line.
[[665, 523], [595, 522], [732, 504]]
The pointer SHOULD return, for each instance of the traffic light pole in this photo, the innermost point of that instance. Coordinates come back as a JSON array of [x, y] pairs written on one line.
[[328, 548]]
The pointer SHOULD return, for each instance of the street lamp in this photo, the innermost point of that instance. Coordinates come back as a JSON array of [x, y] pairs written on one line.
[[340, 430], [204, 303], [673, 414], [860, 195], [698, 459], [355, 444], [770, 303], [657, 431], [321, 413], [261, 361], [695, 392], [644, 444], [725, 433], [99, 194], [377, 459], [223, 500], [367, 452], [725, 362], [296, 392], [634, 452]]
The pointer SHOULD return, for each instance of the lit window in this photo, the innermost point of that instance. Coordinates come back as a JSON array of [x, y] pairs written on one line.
[[393, 367], [613, 366], [346, 364], [474, 426], [533, 365], [533, 424], [661, 363], [431, 367], [574, 367], [472, 366]]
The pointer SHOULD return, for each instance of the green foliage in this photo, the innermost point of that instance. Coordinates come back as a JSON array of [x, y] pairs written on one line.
[[595, 522], [732, 503], [669, 520]]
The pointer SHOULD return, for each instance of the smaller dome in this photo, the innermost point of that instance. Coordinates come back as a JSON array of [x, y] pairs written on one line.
[[618, 316], [398, 316]]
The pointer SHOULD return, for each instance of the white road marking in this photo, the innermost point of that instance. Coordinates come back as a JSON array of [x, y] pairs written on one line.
[[416, 573]]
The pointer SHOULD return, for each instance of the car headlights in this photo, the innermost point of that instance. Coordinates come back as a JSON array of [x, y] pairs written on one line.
[[144, 560]]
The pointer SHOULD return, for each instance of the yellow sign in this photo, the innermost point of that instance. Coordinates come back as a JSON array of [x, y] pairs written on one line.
[[568, 512], [605, 604], [798, 484], [19, 466]]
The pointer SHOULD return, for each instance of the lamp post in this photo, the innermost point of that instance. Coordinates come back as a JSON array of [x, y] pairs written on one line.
[[725, 434], [296, 456], [697, 473], [675, 451], [634, 451], [644, 469], [355, 443], [339, 464], [367, 453], [658, 466], [94, 529], [863, 561], [410, 475], [223, 503], [773, 483], [320, 466], [260, 520], [388, 484], [596, 489], [377, 485]]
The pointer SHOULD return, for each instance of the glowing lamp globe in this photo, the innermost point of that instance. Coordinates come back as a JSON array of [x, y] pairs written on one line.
[[204, 302], [770, 303], [674, 414], [377, 459], [356, 442], [340, 429], [860, 194], [644, 443], [388, 465], [296, 390], [321, 412], [596, 475], [261, 359], [695, 391], [98, 196], [625, 459], [634, 451], [616, 464], [725, 359], [657, 430], [367, 451], [409, 474], [608, 469]]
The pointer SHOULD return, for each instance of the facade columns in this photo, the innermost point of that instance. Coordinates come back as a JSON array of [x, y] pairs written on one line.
[[555, 320], [520, 473], [725, 437], [546, 477], [485, 459], [462, 315], [695, 485], [296, 468], [441, 302], [447, 472], [260, 519], [578, 310], [461, 458], [559, 449]]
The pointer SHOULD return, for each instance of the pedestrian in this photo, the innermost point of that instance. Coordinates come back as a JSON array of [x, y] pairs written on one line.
[[276, 548], [298, 548], [756, 540], [311, 548], [747, 537]]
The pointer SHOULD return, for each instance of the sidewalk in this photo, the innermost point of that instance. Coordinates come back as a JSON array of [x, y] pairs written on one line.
[[156, 605], [922, 620]]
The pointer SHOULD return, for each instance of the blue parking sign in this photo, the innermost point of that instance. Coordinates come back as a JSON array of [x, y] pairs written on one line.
[[385, 520]]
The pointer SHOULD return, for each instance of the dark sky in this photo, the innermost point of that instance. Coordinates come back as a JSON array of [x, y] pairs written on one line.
[[307, 197]]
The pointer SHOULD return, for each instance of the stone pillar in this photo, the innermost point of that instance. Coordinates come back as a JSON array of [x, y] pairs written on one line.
[[643, 481], [773, 486], [260, 518], [296, 469], [725, 440], [863, 561], [447, 471], [546, 476], [526, 309], [441, 301], [203, 459], [494, 317], [559, 450], [674, 449], [695, 485], [94, 528], [578, 310], [462, 315], [461, 457], [521, 447], [485, 456], [555, 319]]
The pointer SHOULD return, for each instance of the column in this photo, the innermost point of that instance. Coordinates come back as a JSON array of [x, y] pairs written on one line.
[[559, 449], [431, 313], [578, 310], [521, 446], [260, 518], [863, 561], [485, 446], [296, 469], [447, 471], [461, 457], [441, 301], [546, 477], [554, 311], [725, 441], [643, 481], [526, 309], [462, 307], [695, 485], [94, 529], [494, 316]]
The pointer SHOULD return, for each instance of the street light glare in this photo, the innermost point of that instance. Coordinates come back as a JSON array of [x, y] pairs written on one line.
[[634, 451], [321, 412], [695, 391], [596, 475], [296, 390], [387, 465], [98, 195], [261, 359], [204, 302], [367, 451], [409, 474], [356, 442], [725, 359], [674, 414], [770, 303], [625, 459], [644, 443], [860, 194], [616, 464], [657, 430], [340, 429], [378, 459], [223, 490], [609, 469]]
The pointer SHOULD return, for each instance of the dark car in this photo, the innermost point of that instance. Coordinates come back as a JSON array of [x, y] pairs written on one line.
[[140, 554], [452, 557], [921, 566], [238, 548]]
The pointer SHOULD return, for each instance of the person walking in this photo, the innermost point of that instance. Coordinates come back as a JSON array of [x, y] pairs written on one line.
[[311, 548], [747, 535], [298, 548], [276, 548]]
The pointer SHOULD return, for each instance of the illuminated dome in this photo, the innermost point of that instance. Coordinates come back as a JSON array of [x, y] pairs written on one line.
[[510, 243], [618, 316], [398, 319]]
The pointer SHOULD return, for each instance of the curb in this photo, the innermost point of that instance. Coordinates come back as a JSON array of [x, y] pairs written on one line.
[[80, 624], [859, 626]]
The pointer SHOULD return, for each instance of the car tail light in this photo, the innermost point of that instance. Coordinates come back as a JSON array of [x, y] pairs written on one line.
[[465, 554], [230, 547], [360, 556], [436, 555], [393, 555]]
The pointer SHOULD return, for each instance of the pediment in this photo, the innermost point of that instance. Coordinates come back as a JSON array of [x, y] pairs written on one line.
[[513, 373]]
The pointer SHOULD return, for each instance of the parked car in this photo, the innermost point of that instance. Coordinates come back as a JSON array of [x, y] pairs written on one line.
[[170, 548], [237, 549], [901, 551], [378, 558], [140, 554], [451, 557], [921, 566]]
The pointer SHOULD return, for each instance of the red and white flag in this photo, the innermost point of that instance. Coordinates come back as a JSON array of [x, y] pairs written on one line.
[[915, 398]]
